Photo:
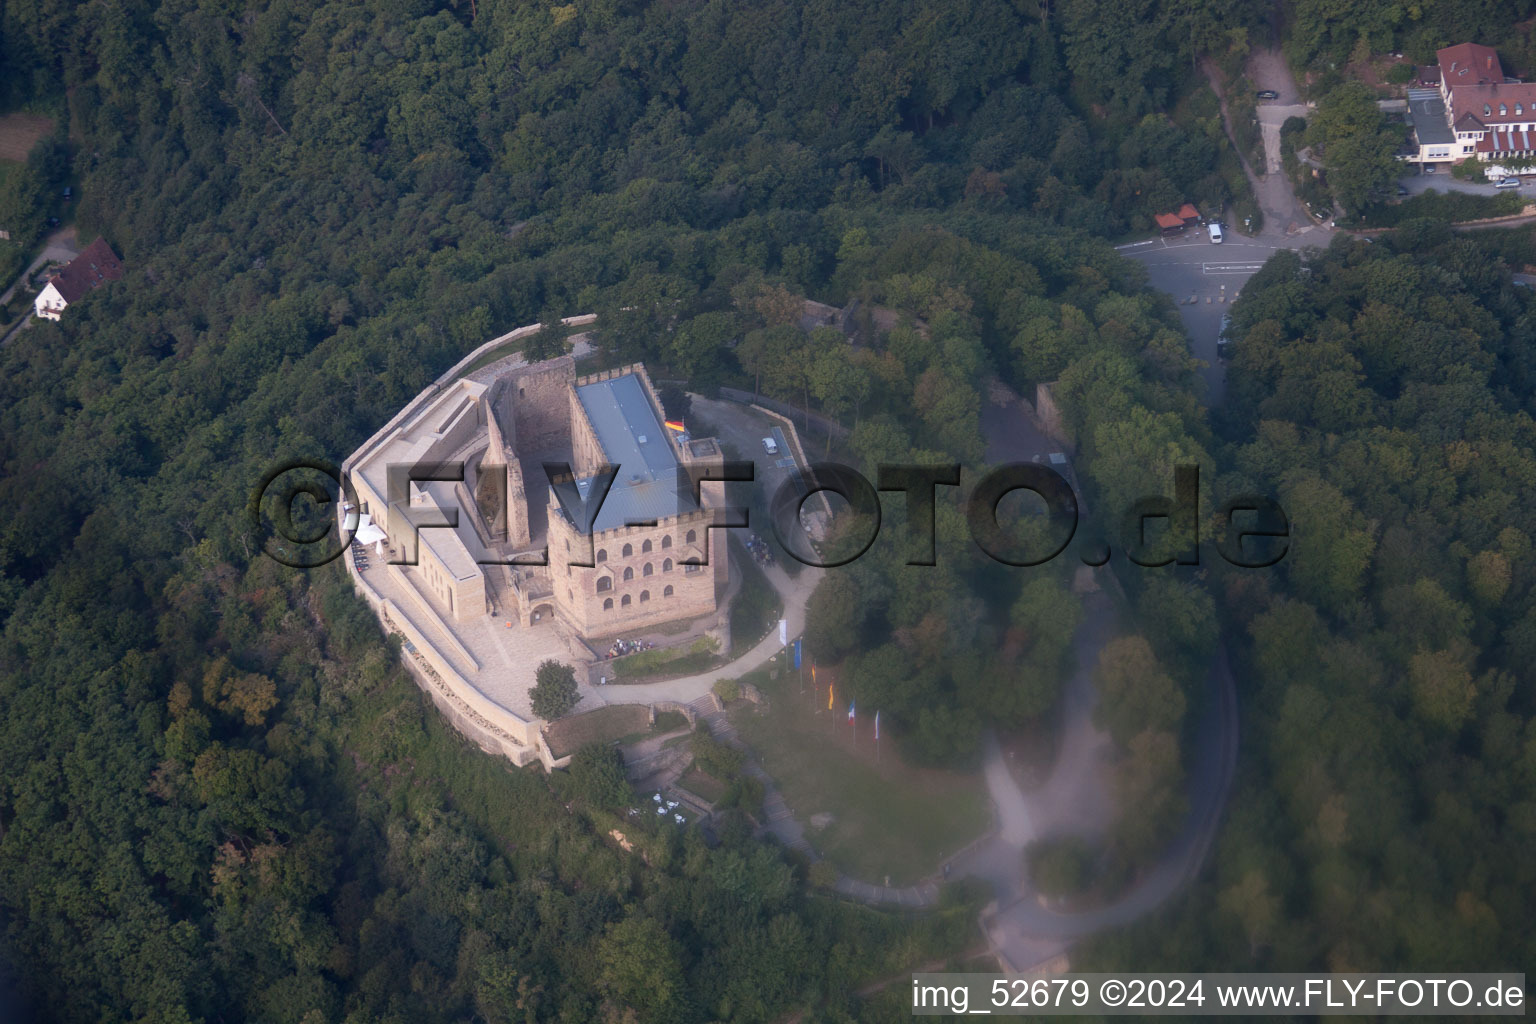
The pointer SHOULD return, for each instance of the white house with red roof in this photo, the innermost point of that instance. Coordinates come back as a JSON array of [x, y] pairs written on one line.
[[94, 267], [1481, 113]]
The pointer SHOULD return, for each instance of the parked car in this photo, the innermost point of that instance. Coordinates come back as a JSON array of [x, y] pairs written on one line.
[[1429, 168], [1401, 191], [1508, 183], [68, 193], [1267, 94], [770, 446], [1215, 233]]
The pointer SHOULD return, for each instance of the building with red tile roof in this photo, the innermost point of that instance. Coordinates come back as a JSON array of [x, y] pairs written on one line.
[[91, 269]]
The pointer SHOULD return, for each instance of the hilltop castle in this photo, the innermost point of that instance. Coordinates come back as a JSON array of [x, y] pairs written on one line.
[[645, 559]]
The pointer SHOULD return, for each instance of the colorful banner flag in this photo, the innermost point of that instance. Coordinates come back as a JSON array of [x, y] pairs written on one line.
[[830, 688], [797, 652], [850, 711], [676, 425]]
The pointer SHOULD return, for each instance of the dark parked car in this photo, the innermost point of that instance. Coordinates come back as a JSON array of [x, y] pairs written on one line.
[[1267, 94]]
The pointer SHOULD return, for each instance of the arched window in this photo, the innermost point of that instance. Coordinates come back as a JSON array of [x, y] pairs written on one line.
[[629, 549], [666, 565], [666, 542], [668, 591], [1487, 110], [1503, 110], [602, 554], [567, 547], [629, 574], [645, 548], [648, 570], [693, 535], [604, 583], [625, 601], [645, 595], [608, 604]]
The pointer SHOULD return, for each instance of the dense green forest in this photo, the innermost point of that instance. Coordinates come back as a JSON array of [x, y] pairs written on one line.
[[221, 798], [1386, 802], [1325, 33]]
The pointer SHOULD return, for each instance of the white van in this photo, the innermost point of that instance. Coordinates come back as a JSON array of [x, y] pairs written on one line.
[[1215, 233]]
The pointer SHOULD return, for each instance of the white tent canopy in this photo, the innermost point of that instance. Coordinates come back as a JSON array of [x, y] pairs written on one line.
[[367, 532]]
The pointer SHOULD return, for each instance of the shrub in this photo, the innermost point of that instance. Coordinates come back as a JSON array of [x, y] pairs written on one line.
[[727, 690], [1451, 207], [822, 874], [716, 758]]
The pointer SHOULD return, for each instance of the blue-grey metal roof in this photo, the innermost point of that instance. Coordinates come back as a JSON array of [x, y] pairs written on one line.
[[633, 439], [1427, 115]]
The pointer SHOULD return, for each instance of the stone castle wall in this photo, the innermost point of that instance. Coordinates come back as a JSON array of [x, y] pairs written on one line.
[[598, 601]]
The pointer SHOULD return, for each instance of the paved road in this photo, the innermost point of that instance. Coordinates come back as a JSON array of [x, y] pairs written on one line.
[[1203, 279], [1026, 931], [793, 593], [59, 247]]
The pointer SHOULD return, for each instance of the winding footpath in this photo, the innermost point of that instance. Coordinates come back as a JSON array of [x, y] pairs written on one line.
[[1073, 798]]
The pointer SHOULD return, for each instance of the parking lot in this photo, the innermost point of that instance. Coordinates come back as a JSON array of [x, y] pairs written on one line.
[[1442, 181]]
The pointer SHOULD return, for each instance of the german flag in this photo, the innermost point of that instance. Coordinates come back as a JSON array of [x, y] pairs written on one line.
[[676, 425]]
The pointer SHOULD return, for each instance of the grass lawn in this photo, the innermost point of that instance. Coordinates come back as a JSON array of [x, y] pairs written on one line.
[[665, 661], [888, 818], [600, 725], [705, 787], [756, 607]]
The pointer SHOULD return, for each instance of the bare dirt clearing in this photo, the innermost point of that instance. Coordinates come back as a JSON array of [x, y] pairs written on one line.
[[20, 132]]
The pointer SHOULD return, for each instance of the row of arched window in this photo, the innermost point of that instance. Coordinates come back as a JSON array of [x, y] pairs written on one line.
[[645, 595], [606, 582], [692, 537]]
